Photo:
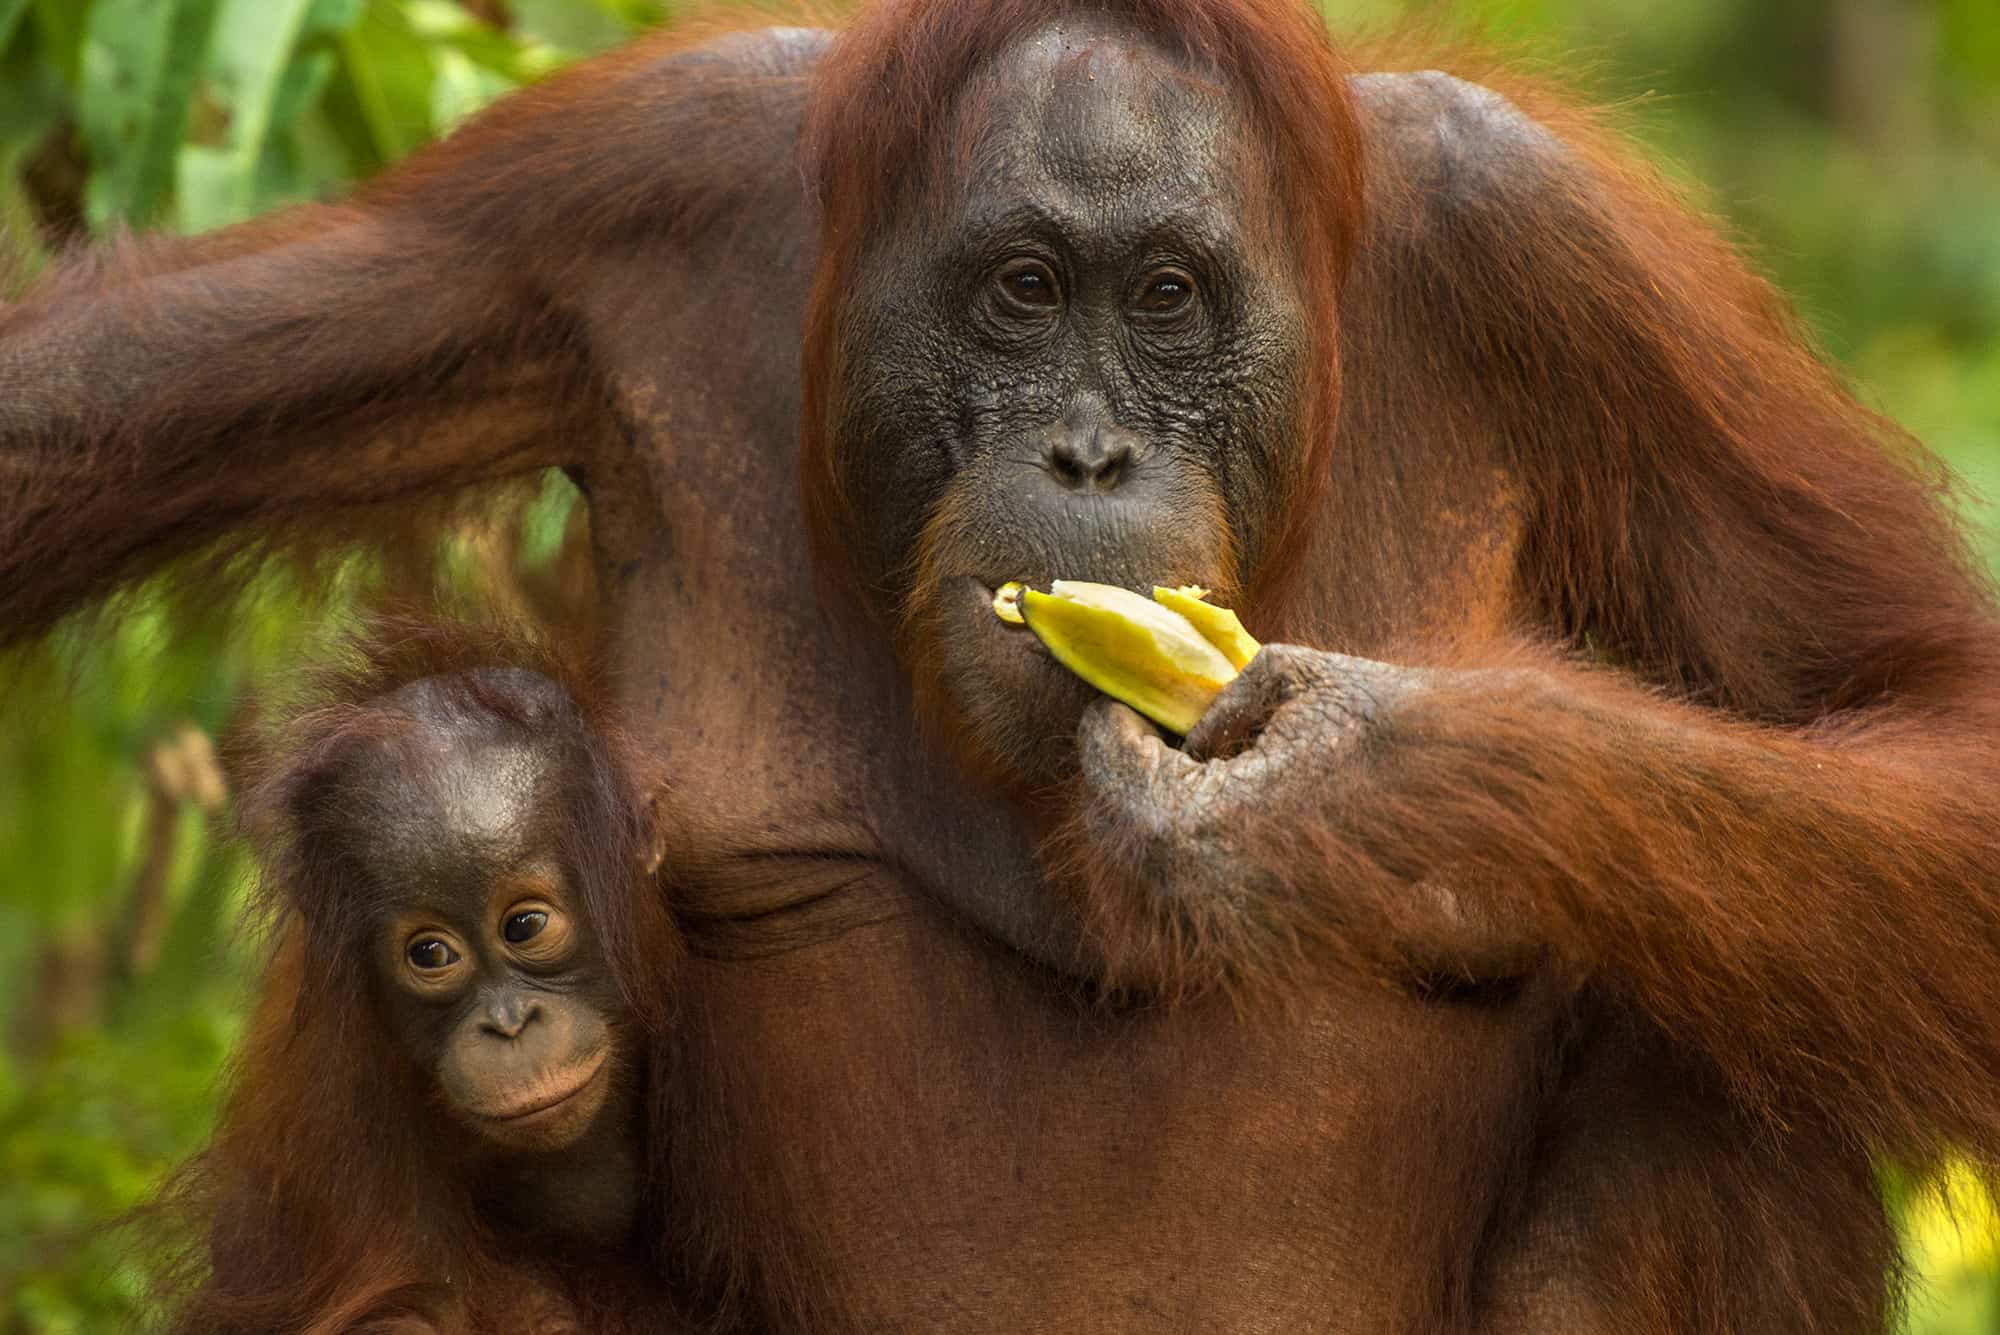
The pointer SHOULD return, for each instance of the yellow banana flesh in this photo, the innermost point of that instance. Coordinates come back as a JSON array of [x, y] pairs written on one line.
[[1007, 604], [1133, 649], [1218, 625]]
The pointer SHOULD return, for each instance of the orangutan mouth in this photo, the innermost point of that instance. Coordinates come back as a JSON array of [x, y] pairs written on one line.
[[545, 1102], [1020, 637]]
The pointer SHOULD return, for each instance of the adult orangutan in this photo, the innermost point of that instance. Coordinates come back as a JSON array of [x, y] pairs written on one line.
[[1550, 945]]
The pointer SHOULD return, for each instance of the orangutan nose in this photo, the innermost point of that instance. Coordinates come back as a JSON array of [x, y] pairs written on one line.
[[507, 1016], [1090, 457]]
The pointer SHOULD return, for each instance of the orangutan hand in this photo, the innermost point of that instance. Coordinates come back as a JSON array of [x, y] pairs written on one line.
[[1277, 740], [1246, 818]]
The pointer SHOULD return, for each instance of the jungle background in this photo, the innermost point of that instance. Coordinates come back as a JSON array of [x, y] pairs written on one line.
[[1853, 145]]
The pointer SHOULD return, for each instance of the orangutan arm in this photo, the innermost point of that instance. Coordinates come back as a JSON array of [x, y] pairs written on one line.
[[415, 339], [1816, 911], [1763, 818], [356, 357]]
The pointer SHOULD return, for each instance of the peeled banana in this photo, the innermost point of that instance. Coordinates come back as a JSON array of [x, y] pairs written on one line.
[[1218, 625], [1167, 657]]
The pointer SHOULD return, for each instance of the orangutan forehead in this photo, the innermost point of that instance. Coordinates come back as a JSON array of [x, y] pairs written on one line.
[[1092, 118], [466, 813]]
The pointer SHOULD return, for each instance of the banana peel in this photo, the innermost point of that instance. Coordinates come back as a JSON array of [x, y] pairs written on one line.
[[1167, 656], [1218, 625]]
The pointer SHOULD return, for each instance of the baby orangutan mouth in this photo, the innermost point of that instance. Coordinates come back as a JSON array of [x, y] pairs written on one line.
[[550, 1113], [562, 1092]]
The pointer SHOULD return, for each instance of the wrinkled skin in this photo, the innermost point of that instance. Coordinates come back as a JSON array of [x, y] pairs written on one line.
[[1279, 736], [1277, 748], [1082, 362], [900, 1100]]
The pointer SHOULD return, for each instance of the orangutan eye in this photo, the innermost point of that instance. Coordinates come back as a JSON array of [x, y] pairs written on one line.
[[431, 953], [1029, 283], [524, 926], [1165, 292]]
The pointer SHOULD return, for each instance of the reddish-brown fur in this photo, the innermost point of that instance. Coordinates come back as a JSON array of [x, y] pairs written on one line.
[[410, 421], [337, 1195], [1807, 894], [1713, 724]]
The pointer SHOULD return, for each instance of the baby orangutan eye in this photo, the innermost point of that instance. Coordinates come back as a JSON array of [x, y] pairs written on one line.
[[537, 932], [525, 925], [429, 953]]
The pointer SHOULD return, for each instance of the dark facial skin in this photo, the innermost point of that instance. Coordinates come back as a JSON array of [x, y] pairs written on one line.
[[491, 975], [1565, 411], [1083, 362]]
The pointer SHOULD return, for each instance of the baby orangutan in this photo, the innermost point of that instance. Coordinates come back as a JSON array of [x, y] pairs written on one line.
[[485, 952], [438, 1123]]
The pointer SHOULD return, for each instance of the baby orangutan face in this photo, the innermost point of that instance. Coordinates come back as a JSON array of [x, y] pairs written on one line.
[[524, 1055], [492, 973]]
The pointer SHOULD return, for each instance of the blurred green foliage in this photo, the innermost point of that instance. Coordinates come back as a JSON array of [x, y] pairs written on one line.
[[1854, 146]]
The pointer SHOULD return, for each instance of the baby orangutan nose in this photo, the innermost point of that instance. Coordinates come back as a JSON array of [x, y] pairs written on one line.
[[1090, 456], [507, 1015]]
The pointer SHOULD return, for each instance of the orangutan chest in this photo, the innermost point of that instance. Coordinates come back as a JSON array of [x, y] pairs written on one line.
[[968, 1149]]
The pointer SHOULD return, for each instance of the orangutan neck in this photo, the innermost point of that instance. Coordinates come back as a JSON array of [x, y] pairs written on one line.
[[585, 1195]]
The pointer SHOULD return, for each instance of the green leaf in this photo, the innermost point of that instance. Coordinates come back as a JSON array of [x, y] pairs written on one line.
[[10, 15], [638, 13], [138, 67], [59, 24], [204, 187], [212, 181], [32, 101], [461, 89], [446, 27], [1970, 40], [348, 124], [573, 25], [333, 16], [302, 87], [388, 70], [253, 45]]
